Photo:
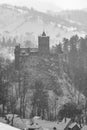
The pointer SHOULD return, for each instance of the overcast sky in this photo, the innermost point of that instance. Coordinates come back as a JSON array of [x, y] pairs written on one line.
[[49, 4]]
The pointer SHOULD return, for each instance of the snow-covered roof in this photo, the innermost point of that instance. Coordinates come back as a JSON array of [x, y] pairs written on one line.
[[36, 117], [7, 127], [73, 124], [34, 126], [11, 115], [67, 121], [62, 125]]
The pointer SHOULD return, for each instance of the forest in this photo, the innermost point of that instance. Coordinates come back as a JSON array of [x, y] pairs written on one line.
[[37, 91]]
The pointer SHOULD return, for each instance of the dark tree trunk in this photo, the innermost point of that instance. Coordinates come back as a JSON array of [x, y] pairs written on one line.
[[3, 109]]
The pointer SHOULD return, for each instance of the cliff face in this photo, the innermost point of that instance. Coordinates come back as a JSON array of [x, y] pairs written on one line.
[[50, 71]]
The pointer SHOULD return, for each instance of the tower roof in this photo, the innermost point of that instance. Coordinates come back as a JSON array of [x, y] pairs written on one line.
[[43, 34]]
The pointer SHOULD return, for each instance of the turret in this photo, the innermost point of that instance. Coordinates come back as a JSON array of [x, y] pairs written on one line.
[[43, 44]]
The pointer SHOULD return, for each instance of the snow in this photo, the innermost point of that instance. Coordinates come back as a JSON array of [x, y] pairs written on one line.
[[34, 126], [7, 127], [75, 22], [11, 115], [19, 123], [18, 23], [2, 120], [22, 11], [73, 124], [36, 117], [84, 127], [40, 125]]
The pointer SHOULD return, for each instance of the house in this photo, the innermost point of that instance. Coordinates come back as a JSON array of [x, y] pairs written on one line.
[[67, 122], [74, 126]]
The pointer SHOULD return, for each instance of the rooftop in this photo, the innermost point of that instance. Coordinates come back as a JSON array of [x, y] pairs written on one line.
[[44, 34]]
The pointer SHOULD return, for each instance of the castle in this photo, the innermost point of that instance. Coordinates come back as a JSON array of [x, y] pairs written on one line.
[[42, 50]]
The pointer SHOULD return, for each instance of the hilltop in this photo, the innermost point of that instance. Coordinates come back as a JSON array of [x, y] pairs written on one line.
[[24, 23]]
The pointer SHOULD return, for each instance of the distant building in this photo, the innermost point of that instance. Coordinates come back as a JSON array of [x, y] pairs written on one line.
[[33, 53]]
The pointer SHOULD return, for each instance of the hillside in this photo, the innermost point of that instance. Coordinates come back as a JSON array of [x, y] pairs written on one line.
[[24, 23], [56, 82]]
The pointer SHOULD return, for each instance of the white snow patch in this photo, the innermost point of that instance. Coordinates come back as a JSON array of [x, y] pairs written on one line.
[[7, 127], [75, 22]]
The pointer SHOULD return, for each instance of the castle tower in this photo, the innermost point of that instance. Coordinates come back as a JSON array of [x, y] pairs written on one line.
[[17, 56], [43, 44]]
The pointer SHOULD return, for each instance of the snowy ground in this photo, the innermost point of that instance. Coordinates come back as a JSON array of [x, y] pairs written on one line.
[[25, 123], [42, 124], [7, 127]]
